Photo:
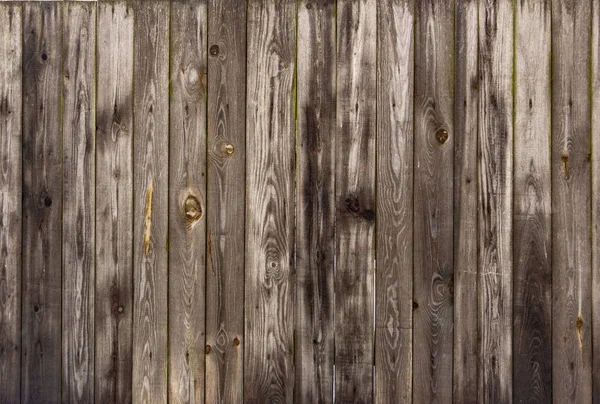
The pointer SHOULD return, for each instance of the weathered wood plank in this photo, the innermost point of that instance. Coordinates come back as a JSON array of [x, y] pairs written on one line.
[[270, 142], [595, 146], [495, 201], [78, 127], [42, 251], [11, 25], [394, 300], [150, 214], [532, 305], [355, 199], [465, 202], [114, 203], [187, 190], [433, 206], [226, 200], [315, 242], [571, 209]]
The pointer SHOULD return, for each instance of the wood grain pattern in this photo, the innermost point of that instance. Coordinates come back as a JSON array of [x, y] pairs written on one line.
[[114, 203], [315, 242], [11, 26], [226, 200], [42, 208], [270, 142], [150, 214], [78, 124], [571, 205], [187, 190], [433, 207], [532, 298], [355, 200], [465, 202], [394, 276], [595, 146], [495, 201]]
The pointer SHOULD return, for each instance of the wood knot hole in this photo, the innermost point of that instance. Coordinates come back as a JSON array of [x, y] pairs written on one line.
[[236, 341], [229, 149], [44, 56], [579, 323], [441, 136], [214, 50], [192, 209], [207, 350], [47, 201]]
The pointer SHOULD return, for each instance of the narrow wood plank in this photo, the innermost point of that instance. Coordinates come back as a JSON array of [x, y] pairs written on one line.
[[465, 202], [11, 25], [187, 201], [394, 288], [150, 205], [270, 142], [42, 252], [355, 199], [532, 305], [433, 206], [114, 203], [226, 200], [571, 204], [595, 139], [315, 196], [78, 127], [495, 201]]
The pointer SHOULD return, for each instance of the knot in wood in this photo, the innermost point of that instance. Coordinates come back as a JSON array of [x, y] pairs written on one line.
[[214, 50], [236, 341], [207, 349], [229, 149], [441, 136], [192, 209]]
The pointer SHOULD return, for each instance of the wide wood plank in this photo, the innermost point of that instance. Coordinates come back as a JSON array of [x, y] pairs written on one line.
[[42, 234], [114, 203], [11, 25], [78, 127], [187, 202], [226, 200], [150, 205], [355, 199], [571, 204], [315, 242], [495, 201], [532, 304], [465, 202], [394, 288], [270, 142], [433, 206]]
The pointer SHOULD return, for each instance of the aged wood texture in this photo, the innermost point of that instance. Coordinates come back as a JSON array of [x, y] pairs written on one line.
[[42, 252], [433, 204], [315, 242], [270, 142], [187, 202], [532, 297], [150, 215], [11, 25], [495, 201], [226, 200], [595, 146], [114, 203], [355, 199], [571, 209], [394, 276], [78, 129], [465, 202]]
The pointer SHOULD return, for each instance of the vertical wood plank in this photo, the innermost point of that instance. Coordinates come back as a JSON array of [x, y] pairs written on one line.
[[355, 199], [270, 142], [532, 305], [150, 173], [187, 202], [394, 300], [11, 25], [78, 128], [42, 252], [495, 201], [315, 242], [433, 206], [114, 203], [595, 146], [571, 209], [465, 202], [226, 200]]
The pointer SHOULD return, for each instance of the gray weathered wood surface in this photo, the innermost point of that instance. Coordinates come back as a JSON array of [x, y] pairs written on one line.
[[225, 201]]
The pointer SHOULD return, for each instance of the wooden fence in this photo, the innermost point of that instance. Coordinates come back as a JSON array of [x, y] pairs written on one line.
[[277, 201]]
